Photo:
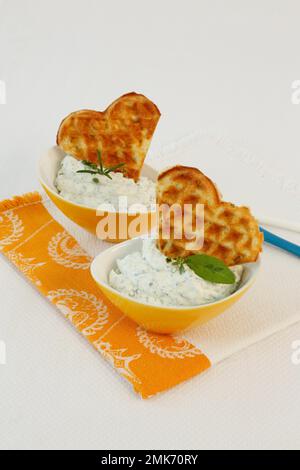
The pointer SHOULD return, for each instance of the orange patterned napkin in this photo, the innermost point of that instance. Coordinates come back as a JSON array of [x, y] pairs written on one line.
[[58, 267]]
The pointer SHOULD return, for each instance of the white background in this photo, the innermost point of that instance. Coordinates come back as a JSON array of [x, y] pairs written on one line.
[[222, 67]]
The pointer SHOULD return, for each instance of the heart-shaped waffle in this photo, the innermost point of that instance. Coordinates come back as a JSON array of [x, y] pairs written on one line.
[[122, 133], [231, 233]]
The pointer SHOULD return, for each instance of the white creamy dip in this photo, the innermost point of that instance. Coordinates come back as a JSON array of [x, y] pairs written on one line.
[[82, 189], [147, 277]]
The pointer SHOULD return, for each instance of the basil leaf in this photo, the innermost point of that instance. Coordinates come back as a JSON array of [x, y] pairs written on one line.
[[211, 269]]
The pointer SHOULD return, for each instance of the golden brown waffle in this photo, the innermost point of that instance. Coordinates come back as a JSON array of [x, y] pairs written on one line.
[[122, 132], [231, 233], [185, 185]]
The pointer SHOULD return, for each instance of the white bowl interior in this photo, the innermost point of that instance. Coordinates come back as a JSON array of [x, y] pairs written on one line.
[[50, 162], [105, 261], [48, 166]]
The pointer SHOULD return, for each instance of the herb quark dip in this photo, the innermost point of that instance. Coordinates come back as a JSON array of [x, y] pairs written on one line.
[[148, 277], [77, 185]]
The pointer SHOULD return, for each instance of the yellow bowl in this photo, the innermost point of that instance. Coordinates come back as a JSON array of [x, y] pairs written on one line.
[[161, 319], [85, 216]]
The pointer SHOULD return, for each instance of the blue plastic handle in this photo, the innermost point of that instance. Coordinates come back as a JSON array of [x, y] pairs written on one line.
[[281, 242]]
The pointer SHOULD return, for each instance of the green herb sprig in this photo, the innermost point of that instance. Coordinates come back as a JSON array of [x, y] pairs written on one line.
[[99, 169], [207, 267], [179, 262]]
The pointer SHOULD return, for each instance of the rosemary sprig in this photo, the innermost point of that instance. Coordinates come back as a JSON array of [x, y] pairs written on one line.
[[99, 169]]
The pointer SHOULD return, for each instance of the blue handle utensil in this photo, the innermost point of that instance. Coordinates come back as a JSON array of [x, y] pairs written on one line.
[[280, 242]]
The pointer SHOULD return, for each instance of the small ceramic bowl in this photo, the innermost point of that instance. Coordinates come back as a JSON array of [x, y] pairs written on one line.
[[162, 319], [85, 216]]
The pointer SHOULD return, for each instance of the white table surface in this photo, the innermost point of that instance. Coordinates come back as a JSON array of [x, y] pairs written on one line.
[[222, 68]]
